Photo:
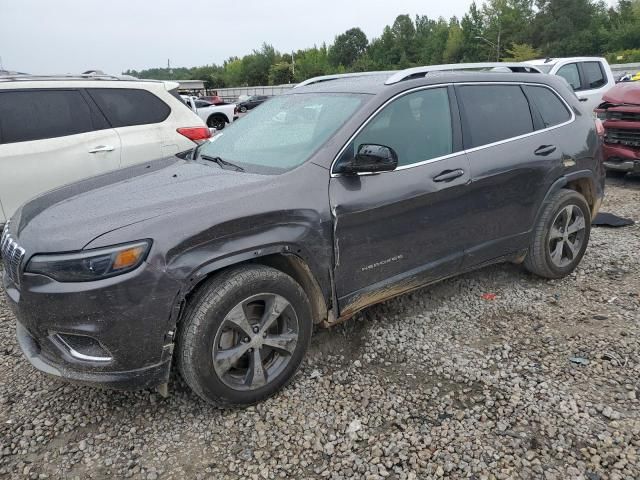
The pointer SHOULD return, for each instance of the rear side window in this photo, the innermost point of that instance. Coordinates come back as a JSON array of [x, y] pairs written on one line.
[[125, 107], [40, 114], [551, 109], [594, 77], [571, 75], [494, 113]]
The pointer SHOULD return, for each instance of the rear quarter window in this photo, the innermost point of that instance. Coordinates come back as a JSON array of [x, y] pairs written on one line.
[[126, 107], [552, 110], [29, 115], [493, 113]]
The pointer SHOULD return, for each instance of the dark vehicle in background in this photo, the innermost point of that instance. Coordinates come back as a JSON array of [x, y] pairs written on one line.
[[620, 115], [330, 198], [251, 102]]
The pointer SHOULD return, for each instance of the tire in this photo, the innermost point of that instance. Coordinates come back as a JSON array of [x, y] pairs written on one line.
[[562, 208], [615, 173], [217, 121], [211, 340], [243, 109]]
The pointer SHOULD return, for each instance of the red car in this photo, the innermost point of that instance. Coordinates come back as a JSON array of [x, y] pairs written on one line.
[[620, 114], [215, 99]]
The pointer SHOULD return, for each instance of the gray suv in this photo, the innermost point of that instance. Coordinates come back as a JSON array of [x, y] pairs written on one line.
[[338, 195]]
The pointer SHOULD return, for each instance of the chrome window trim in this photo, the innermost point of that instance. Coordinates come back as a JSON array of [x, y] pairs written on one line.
[[458, 153]]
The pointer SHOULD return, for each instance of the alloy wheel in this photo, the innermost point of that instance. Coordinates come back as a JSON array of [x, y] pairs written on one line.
[[255, 341], [566, 236]]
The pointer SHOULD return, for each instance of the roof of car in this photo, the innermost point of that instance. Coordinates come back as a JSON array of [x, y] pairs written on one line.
[[551, 61], [98, 77], [376, 83], [83, 81]]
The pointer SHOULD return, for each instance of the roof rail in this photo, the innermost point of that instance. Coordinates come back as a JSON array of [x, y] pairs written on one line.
[[417, 72], [327, 78], [81, 76]]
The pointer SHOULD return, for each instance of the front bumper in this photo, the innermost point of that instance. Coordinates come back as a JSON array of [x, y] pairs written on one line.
[[128, 317], [621, 158]]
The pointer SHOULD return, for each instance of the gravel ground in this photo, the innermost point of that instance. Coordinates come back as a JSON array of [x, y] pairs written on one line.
[[540, 382]]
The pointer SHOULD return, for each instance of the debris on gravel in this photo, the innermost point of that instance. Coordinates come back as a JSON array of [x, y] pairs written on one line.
[[540, 382]]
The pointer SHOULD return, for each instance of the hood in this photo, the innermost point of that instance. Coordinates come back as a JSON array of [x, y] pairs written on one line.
[[623, 93], [70, 217]]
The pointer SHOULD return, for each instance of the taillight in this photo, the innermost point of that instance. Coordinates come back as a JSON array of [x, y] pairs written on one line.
[[599, 128], [195, 133]]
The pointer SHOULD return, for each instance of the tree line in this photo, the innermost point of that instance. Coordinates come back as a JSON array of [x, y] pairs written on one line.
[[513, 30]]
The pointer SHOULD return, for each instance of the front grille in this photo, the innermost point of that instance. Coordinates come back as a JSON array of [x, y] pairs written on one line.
[[620, 136], [624, 116], [12, 255]]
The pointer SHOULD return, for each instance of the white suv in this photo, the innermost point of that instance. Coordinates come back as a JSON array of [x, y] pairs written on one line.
[[59, 129]]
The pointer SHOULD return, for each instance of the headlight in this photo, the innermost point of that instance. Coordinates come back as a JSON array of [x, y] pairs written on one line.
[[90, 264]]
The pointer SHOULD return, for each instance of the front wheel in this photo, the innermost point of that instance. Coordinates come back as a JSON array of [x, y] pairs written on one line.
[[244, 335], [561, 235], [243, 109]]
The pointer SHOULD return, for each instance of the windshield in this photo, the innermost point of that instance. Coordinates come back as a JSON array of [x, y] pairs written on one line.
[[546, 68], [284, 132]]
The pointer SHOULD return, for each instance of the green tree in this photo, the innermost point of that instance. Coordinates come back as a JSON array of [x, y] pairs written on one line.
[[521, 52], [280, 73], [312, 62], [453, 48], [348, 47]]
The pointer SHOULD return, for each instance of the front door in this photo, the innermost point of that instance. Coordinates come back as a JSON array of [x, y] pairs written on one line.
[[397, 230]]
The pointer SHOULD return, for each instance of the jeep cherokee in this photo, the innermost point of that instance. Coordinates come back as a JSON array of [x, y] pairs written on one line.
[[335, 196]]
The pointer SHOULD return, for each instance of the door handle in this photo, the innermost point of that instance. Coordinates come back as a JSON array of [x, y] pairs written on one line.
[[583, 99], [102, 148], [448, 175], [545, 150]]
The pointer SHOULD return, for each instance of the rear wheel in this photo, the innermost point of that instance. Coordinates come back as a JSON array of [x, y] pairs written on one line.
[[244, 335], [216, 121], [561, 235]]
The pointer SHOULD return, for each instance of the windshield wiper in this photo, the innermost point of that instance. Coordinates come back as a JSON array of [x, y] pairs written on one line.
[[222, 163]]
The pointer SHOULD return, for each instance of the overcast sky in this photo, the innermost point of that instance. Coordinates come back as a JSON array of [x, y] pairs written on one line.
[[65, 36]]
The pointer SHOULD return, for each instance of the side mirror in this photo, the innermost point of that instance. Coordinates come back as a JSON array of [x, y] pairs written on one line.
[[370, 158]]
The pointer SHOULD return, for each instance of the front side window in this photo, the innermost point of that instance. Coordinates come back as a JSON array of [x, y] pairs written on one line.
[[551, 109], [571, 75], [284, 132], [126, 107], [417, 126], [29, 115], [494, 113], [593, 75]]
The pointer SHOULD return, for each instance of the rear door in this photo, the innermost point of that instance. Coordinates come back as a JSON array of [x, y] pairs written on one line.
[[137, 116], [588, 80], [49, 138], [515, 152], [396, 230]]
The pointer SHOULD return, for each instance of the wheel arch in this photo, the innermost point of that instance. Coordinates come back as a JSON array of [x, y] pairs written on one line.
[[218, 114], [583, 182], [283, 258]]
